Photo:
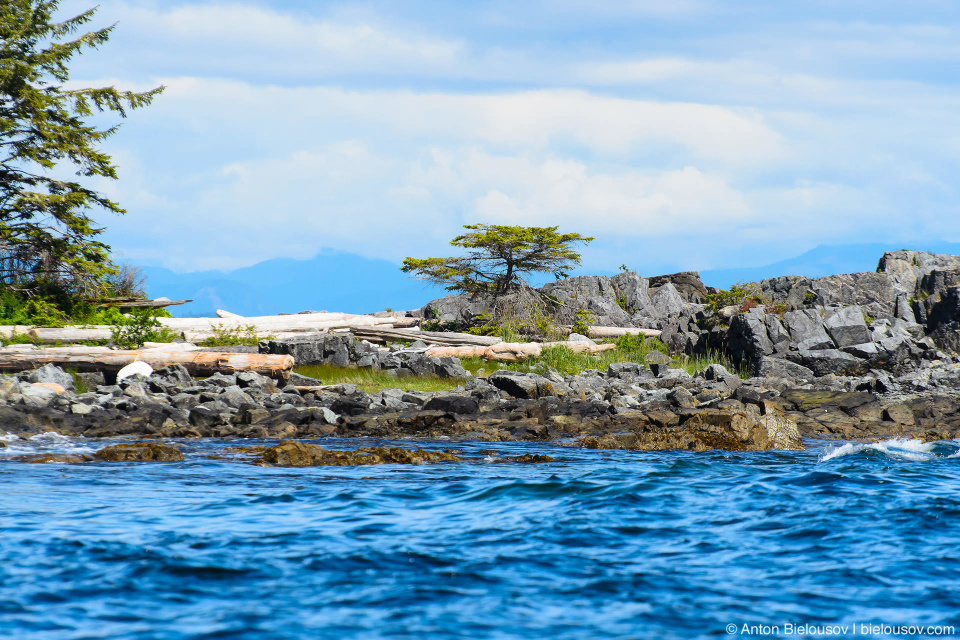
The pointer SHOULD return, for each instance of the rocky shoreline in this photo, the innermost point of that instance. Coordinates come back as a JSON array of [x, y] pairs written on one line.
[[853, 357]]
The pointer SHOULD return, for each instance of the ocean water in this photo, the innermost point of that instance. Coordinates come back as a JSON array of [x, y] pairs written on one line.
[[600, 544]]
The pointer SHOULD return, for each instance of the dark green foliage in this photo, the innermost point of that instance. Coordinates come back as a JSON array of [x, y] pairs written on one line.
[[47, 236], [583, 318], [132, 330], [498, 256], [51, 307]]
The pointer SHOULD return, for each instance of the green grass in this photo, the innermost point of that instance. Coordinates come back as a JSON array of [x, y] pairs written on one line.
[[373, 381], [557, 358]]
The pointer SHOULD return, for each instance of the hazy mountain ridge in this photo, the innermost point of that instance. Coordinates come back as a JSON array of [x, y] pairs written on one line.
[[347, 282]]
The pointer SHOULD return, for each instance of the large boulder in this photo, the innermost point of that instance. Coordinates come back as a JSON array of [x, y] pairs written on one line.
[[463, 309], [831, 361], [747, 338], [847, 326], [686, 283], [51, 373], [667, 302], [633, 292], [784, 369], [806, 327]]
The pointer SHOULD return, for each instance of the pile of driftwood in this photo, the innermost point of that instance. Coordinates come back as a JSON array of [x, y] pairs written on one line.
[[380, 329]]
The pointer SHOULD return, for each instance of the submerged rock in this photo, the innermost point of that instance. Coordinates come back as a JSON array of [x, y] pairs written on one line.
[[140, 452], [292, 453], [52, 458]]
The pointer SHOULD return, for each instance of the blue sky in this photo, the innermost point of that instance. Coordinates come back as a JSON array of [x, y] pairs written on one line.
[[679, 133]]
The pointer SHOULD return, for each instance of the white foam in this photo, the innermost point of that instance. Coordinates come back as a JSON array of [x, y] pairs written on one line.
[[900, 448], [9, 437], [49, 442], [49, 435]]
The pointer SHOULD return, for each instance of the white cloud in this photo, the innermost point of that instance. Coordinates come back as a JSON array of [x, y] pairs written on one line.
[[520, 120]]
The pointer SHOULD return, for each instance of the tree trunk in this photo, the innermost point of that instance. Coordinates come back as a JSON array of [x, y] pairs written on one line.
[[197, 363], [439, 338], [616, 332]]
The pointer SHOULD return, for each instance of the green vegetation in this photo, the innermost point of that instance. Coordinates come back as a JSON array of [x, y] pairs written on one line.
[[742, 295], [582, 319], [497, 256], [373, 381], [132, 330], [78, 383], [241, 336], [50, 259]]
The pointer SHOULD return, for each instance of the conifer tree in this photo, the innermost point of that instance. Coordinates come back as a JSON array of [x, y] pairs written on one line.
[[47, 149], [498, 256]]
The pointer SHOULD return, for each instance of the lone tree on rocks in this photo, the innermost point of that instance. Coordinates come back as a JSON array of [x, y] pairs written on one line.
[[498, 257], [47, 237]]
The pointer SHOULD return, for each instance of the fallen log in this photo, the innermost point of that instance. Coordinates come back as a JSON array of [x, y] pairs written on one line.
[[69, 334], [197, 363], [139, 303], [439, 338], [300, 321], [616, 332]]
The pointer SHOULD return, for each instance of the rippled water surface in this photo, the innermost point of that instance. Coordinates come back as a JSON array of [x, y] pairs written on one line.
[[599, 544]]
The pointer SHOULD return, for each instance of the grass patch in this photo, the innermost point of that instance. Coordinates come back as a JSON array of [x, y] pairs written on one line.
[[556, 358], [78, 383], [372, 381]]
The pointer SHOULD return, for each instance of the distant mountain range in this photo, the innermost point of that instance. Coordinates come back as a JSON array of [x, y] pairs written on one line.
[[331, 281], [821, 261], [347, 282]]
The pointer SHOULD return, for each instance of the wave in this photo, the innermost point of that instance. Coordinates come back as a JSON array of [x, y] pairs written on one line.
[[909, 449], [47, 442]]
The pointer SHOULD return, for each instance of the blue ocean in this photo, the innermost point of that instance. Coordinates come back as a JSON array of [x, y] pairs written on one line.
[[599, 544]]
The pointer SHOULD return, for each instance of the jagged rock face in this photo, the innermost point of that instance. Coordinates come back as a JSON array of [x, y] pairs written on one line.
[[625, 300], [595, 294], [462, 309], [907, 268], [747, 338], [686, 283]]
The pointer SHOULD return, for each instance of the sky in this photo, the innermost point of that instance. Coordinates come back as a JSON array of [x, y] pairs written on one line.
[[681, 134]]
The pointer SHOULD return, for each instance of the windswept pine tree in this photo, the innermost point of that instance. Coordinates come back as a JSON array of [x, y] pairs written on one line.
[[48, 237], [498, 256]]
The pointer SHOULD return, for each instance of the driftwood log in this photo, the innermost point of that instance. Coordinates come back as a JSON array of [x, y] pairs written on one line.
[[439, 338], [296, 322], [616, 332], [197, 363]]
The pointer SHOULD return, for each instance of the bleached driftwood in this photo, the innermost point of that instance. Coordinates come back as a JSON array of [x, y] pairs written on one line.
[[439, 338], [197, 363], [226, 314], [300, 321], [616, 332]]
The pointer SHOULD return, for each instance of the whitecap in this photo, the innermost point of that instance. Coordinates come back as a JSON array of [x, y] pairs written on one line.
[[899, 448], [9, 437]]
